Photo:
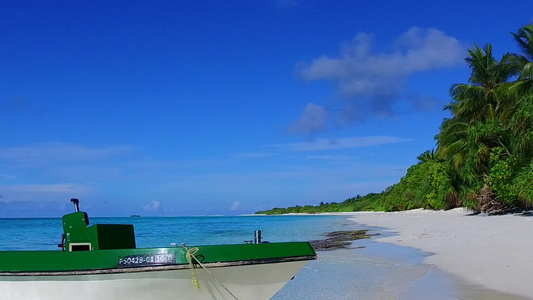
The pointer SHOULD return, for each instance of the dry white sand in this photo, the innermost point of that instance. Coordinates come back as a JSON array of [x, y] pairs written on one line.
[[493, 251]]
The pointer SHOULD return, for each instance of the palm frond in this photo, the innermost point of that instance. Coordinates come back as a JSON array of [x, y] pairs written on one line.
[[524, 39]]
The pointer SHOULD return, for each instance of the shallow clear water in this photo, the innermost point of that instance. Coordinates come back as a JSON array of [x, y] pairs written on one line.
[[45, 234], [377, 271]]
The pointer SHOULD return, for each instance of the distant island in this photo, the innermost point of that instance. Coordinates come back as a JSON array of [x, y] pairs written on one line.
[[484, 155], [135, 216]]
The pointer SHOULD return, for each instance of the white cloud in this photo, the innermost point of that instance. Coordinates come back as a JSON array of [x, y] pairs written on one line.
[[424, 102], [332, 158], [43, 192], [313, 120], [288, 185], [235, 205], [359, 72], [371, 82], [153, 206], [341, 143], [50, 153]]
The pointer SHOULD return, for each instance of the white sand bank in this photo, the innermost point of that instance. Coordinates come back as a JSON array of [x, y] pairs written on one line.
[[495, 252]]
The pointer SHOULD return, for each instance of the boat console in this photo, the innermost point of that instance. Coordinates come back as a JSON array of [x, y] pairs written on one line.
[[79, 236]]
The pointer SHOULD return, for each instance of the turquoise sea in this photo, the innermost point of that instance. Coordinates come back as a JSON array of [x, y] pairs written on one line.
[[45, 234], [369, 270]]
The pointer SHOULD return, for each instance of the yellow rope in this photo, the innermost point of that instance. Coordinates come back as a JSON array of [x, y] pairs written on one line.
[[190, 256]]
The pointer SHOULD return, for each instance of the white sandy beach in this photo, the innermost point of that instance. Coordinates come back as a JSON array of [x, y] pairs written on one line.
[[495, 252]]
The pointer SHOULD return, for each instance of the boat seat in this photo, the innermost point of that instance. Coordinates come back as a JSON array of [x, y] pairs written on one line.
[[111, 236]]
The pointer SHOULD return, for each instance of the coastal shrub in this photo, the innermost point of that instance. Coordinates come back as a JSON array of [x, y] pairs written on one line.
[[424, 186], [524, 185], [500, 177], [469, 198], [441, 185]]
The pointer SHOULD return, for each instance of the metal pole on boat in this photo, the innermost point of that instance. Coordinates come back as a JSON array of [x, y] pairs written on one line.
[[258, 239], [76, 204]]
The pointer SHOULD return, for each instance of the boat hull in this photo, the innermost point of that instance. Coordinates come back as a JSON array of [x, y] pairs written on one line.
[[255, 281]]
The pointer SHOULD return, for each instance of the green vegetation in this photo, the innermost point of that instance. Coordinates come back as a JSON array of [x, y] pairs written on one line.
[[484, 156]]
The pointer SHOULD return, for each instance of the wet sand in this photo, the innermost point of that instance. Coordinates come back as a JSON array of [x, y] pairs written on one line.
[[392, 272], [385, 267], [490, 252]]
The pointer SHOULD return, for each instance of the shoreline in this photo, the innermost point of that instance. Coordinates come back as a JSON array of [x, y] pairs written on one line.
[[489, 252], [388, 266]]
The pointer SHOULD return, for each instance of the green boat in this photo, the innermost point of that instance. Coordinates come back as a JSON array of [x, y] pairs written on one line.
[[102, 262]]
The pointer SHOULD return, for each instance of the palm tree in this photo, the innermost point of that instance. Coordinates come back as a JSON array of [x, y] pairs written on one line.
[[522, 88], [484, 96], [524, 63], [451, 141], [521, 126], [479, 108], [524, 38], [427, 156]]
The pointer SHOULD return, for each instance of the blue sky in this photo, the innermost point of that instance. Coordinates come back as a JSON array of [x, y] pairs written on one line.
[[225, 107]]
